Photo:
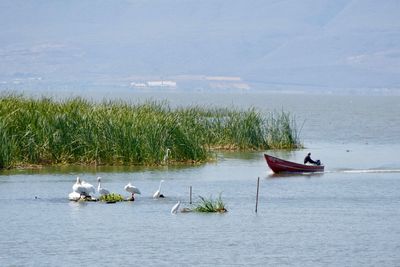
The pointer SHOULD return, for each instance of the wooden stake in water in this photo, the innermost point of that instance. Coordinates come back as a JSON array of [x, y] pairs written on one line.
[[190, 195], [258, 186]]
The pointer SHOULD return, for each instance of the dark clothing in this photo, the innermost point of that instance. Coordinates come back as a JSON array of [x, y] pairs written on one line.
[[308, 159]]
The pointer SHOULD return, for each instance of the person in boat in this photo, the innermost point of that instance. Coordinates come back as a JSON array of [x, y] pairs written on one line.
[[308, 159]]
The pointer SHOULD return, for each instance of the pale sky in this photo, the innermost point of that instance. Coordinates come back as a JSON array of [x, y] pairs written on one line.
[[317, 43]]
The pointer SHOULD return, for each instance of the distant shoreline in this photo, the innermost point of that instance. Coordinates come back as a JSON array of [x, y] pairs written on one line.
[[79, 91]]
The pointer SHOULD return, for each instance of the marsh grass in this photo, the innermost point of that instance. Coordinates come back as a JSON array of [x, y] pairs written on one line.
[[210, 205], [77, 131], [282, 131]]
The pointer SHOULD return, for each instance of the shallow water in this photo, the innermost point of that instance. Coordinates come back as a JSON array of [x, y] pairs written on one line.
[[347, 216]]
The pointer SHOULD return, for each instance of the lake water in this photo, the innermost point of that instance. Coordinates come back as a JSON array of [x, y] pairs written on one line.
[[347, 216]]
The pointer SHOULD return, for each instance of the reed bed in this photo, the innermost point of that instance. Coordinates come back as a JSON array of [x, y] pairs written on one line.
[[77, 131]]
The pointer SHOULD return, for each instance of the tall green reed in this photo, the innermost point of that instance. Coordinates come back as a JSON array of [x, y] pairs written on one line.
[[77, 131], [282, 131]]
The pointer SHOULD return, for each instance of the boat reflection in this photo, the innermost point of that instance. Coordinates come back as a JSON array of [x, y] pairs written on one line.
[[273, 175]]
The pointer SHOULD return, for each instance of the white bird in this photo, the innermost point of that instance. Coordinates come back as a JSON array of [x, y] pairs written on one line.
[[132, 189], [81, 189], [77, 187], [166, 156], [88, 188], [175, 208], [158, 194], [102, 191], [74, 196]]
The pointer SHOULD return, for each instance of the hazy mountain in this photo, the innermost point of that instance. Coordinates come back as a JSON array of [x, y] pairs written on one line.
[[309, 43]]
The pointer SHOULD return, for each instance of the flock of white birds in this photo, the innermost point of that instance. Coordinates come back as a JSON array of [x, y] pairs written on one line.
[[83, 190]]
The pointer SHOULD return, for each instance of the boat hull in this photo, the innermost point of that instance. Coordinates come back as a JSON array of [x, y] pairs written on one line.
[[278, 165]]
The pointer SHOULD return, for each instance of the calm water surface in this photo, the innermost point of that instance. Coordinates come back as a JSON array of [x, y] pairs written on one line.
[[347, 216]]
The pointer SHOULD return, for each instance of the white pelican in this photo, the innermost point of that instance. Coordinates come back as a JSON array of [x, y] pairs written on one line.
[[132, 189], [158, 194], [175, 208], [102, 191], [77, 187], [88, 188], [81, 189], [75, 196]]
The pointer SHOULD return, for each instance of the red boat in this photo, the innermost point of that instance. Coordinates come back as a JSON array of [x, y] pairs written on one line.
[[279, 165]]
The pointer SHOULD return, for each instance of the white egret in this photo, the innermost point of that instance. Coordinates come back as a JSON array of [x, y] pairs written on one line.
[[175, 208], [132, 189], [158, 194], [102, 191], [166, 156]]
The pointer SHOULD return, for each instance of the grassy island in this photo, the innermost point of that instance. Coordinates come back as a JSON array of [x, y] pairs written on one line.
[[210, 205], [77, 131]]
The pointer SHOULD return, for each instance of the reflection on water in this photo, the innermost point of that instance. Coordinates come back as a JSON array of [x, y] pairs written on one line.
[[300, 174], [88, 169], [319, 174]]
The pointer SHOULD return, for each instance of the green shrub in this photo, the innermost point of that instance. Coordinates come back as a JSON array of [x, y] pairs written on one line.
[[111, 198], [210, 205]]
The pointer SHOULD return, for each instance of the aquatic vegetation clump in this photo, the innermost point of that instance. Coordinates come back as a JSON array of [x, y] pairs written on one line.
[[210, 205], [113, 197], [76, 131]]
